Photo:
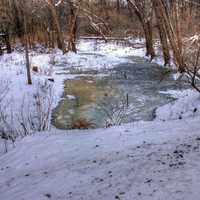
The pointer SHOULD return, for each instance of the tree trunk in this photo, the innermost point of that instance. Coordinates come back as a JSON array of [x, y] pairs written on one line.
[[27, 63], [28, 70], [171, 34], [164, 43], [146, 23], [118, 6], [148, 31], [7, 41], [1, 51], [73, 28], [59, 37], [17, 13], [163, 35]]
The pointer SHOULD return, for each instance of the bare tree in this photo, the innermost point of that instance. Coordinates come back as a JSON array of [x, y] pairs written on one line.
[[73, 29], [192, 59], [60, 38], [162, 34], [5, 24], [172, 34], [143, 10], [28, 70]]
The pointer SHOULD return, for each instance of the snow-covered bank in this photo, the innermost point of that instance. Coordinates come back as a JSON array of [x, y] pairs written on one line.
[[151, 160], [186, 105]]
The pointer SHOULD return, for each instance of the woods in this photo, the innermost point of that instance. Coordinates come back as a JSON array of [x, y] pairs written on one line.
[[51, 22], [164, 24]]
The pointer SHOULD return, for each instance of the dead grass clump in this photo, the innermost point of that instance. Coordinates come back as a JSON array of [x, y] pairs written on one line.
[[82, 124]]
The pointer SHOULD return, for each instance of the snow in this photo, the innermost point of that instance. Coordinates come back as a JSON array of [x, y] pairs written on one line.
[[58, 3], [186, 105], [135, 161], [71, 97], [142, 160]]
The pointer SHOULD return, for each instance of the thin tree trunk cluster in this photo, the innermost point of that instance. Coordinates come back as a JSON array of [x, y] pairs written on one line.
[[168, 16], [167, 29]]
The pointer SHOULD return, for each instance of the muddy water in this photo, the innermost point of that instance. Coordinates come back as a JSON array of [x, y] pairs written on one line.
[[139, 84]]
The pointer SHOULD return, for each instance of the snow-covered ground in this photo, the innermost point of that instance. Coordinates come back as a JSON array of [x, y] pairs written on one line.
[[155, 160], [146, 160], [186, 105]]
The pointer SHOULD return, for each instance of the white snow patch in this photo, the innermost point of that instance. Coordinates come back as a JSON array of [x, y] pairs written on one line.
[[71, 97], [186, 105], [147, 161]]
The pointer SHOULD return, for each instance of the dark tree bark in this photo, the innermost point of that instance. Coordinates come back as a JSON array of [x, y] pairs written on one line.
[[29, 80], [162, 34], [173, 35], [59, 34], [28, 70], [148, 31], [164, 43], [73, 28], [7, 41], [18, 19], [146, 23], [118, 6], [1, 51]]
